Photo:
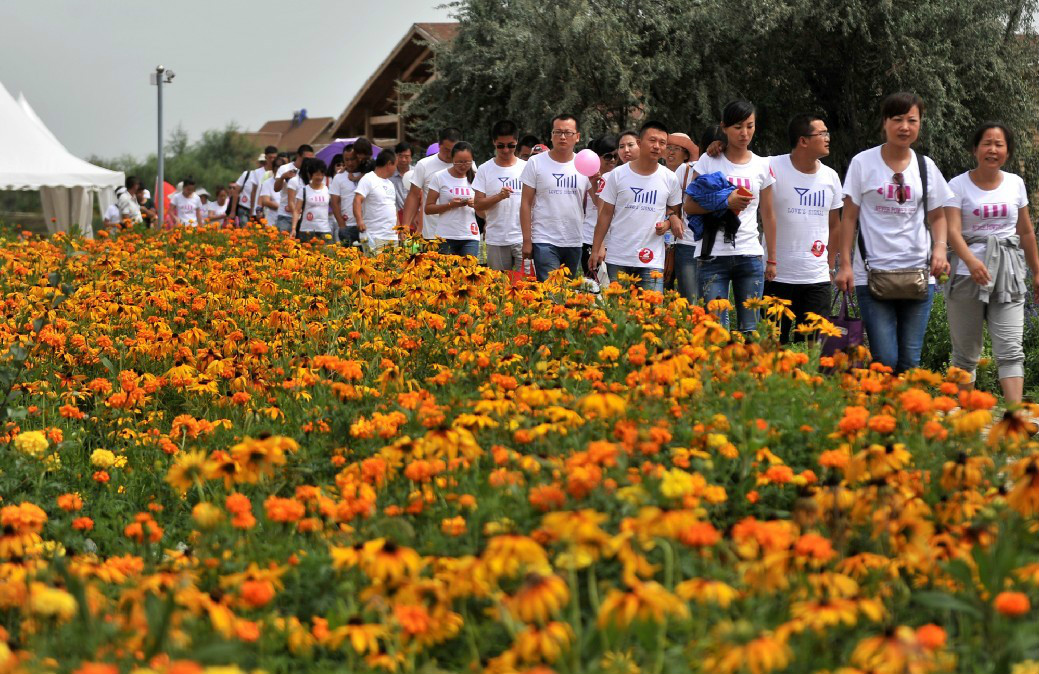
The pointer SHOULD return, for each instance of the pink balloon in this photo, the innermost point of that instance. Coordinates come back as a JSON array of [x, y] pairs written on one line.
[[587, 163]]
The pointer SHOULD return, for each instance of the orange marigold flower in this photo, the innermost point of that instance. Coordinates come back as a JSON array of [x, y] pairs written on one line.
[[977, 400], [238, 503], [701, 534], [1012, 604], [915, 401], [855, 418], [931, 636], [547, 497], [882, 423], [83, 524], [257, 593], [283, 509], [413, 619], [70, 502]]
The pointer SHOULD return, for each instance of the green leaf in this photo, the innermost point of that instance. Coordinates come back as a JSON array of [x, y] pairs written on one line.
[[941, 601]]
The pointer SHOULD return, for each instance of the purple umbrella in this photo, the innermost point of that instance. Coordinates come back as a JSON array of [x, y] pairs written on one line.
[[326, 153]]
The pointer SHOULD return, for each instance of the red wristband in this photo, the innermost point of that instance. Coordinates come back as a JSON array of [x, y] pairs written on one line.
[[770, 262]]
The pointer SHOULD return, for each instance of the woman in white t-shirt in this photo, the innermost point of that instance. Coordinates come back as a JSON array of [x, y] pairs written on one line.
[[884, 204], [738, 263], [310, 210], [991, 236], [450, 197]]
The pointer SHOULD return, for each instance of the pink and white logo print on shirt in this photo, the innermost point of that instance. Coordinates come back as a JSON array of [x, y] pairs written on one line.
[[739, 182], [992, 211], [461, 192], [890, 192]]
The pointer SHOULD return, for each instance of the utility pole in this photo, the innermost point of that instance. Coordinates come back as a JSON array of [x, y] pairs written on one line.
[[158, 78]]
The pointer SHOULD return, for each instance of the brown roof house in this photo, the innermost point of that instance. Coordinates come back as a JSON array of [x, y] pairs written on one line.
[[288, 134], [375, 110]]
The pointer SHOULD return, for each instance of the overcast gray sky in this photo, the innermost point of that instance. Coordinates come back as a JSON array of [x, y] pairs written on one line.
[[84, 64]]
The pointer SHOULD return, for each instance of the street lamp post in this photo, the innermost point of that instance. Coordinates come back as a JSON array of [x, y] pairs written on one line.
[[158, 78]]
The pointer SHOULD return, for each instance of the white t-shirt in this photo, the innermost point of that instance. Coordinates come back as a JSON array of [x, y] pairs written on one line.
[[112, 215], [344, 188], [293, 183], [987, 212], [189, 209], [503, 225], [754, 176], [558, 211], [591, 213], [314, 213], [457, 223], [895, 234], [640, 202], [406, 180], [803, 202], [423, 172], [207, 210], [380, 206], [247, 181], [267, 190]]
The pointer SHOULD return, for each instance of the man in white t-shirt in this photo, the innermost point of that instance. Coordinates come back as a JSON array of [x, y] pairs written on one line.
[[185, 206], [287, 183], [552, 206], [639, 204], [268, 198], [126, 201], [341, 188], [498, 190], [375, 203], [806, 198], [421, 175]]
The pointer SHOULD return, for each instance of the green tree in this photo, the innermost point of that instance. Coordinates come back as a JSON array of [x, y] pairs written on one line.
[[613, 63]]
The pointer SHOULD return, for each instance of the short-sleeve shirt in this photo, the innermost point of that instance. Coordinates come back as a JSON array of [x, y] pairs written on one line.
[[754, 176], [379, 206], [189, 209], [284, 208], [895, 234], [112, 215], [343, 187], [457, 223], [639, 202], [314, 212], [987, 212], [423, 172], [558, 210], [803, 202], [503, 225], [247, 181]]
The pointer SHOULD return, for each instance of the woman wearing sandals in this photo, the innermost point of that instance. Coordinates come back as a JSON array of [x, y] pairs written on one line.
[[991, 236], [896, 256]]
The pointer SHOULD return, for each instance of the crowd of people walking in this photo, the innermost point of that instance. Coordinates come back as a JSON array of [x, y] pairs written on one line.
[[647, 204]]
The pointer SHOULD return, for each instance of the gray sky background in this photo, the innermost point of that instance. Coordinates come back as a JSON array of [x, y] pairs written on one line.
[[84, 64]]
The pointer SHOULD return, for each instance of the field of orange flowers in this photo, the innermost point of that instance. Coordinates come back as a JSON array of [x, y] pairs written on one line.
[[224, 451]]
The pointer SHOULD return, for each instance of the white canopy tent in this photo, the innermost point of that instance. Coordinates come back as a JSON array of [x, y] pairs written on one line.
[[32, 158]]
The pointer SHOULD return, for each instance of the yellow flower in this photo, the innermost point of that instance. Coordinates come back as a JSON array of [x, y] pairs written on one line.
[[602, 405], [187, 470], [538, 598], [207, 515], [102, 458], [645, 601], [677, 483], [31, 443], [543, 644], [51, 602]]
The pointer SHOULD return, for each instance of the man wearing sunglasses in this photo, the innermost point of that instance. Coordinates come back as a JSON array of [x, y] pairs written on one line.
[[497, 189]]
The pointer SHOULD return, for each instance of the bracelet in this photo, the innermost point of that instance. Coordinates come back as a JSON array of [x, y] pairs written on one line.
[[770, 262]]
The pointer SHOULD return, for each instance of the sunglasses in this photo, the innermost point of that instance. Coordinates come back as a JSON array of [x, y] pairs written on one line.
[[610, 156], [502, 146], [900, 191]]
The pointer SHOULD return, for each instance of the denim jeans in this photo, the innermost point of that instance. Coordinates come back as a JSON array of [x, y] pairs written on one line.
[[686, 264], [243, 215], [644, 273], [549, 257], [315, 237], [746, 273], [460, 247], [895, 328], [283, 223], [349, 236]]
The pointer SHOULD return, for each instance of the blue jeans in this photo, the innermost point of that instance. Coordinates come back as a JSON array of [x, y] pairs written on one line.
[[644, 273], [686, 264], [349, 236], [283, 223], [895, 328], [460, 247], [243, 216], [746, 273], [548, 258]]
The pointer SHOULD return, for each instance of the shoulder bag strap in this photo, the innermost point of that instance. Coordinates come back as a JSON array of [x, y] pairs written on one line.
[[922, 163]]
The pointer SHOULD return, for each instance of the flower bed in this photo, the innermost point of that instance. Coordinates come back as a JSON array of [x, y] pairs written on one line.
[[224, 448]]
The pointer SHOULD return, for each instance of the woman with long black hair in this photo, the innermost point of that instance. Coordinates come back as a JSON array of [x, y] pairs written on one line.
[[451, 198]]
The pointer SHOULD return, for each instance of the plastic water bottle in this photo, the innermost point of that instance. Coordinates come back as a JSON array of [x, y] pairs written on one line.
[[669, 238]]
